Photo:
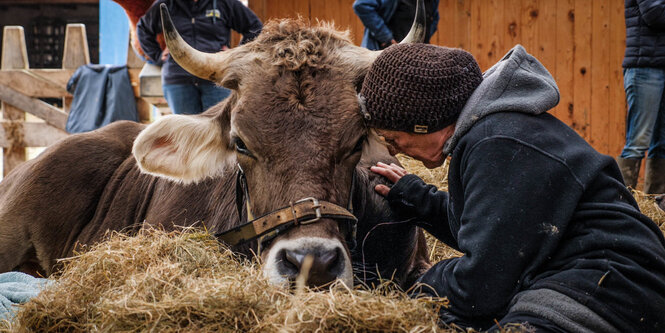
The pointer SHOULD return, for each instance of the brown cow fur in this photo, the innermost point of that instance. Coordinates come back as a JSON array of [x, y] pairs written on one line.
[[294, 104]]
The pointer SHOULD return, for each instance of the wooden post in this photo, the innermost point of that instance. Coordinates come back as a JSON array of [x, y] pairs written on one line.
[[133, 61], [75, 53], [14, 56]]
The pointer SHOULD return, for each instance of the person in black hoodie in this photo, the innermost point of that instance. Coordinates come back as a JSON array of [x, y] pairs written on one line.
[[206, 26], [644, 82], [550, 235]]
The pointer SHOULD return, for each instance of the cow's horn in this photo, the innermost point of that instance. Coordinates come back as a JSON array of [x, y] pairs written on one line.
[[204, 65], [417, 32]]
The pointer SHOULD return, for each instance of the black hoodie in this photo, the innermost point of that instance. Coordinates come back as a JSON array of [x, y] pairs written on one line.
[[534, 207]]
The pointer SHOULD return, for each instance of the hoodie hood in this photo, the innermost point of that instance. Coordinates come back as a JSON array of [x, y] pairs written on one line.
[[517, 83]]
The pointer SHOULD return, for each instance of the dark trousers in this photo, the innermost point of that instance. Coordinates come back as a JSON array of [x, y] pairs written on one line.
[[533, 324]]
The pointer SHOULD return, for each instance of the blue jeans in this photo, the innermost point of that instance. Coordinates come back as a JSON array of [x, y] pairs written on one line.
[[193, 98], [645, 124]]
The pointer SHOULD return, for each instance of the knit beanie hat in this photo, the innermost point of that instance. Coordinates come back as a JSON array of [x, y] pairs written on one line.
[[418, 88]]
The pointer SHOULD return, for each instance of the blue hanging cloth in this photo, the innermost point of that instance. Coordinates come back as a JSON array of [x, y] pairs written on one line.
[[102, 95]]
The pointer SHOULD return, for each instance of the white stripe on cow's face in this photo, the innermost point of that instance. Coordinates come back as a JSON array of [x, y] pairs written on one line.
[[271, 266]]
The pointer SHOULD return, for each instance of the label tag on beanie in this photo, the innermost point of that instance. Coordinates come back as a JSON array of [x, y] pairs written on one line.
[[420, 129]]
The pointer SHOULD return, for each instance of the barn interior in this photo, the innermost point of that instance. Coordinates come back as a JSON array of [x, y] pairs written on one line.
[[592, 102]]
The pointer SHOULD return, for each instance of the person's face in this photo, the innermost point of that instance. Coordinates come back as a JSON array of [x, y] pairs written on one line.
[[427, 148]]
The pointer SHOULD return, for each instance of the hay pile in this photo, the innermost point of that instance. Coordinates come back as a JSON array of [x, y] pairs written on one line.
[[186, 281], [649, 207]]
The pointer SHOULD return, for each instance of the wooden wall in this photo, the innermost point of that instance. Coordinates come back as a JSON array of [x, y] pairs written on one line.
[[581, 42]]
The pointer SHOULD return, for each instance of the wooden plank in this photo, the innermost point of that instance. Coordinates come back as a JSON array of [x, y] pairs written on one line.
[[582, 67], [259, 7], [600, 73], [29, 84], [564, 57], [445, 35], [58, 77], [491, 17], [14, 52], [75, 54], [530, 17], [476, 34], [546, 39], [50, 114], [28, 134], [462, 25], [144, 110], [14, 56], [133, 60], [512, 29], [617, 105]]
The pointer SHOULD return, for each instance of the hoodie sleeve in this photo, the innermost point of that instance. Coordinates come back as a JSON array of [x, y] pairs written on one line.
[[244, 21], [368, 12], [149, 26], [411, 197], [517, 203]]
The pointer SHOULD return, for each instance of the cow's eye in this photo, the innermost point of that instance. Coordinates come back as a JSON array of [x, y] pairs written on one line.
[[359, 145], [241, 147]]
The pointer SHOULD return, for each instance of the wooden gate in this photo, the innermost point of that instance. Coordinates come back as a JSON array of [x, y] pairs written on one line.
[[28, 121]]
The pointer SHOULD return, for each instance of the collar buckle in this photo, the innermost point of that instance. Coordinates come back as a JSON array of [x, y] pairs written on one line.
[[316, 206]]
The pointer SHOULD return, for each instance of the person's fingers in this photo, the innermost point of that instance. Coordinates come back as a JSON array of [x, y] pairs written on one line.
[[386, 172], [398, 169], [382, 189]]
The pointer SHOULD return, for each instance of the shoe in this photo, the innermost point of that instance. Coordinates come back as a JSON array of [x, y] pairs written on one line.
[[630, 170], [654, 176]]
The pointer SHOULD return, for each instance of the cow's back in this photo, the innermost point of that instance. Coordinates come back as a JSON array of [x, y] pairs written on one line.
[[46, 202]]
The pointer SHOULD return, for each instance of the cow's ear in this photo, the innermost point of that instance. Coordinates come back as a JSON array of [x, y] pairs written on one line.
[[185, 149], [375, 150]]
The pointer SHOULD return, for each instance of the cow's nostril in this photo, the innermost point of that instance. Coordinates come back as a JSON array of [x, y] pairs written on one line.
[[294, 259], [326, 265], [325, 261]]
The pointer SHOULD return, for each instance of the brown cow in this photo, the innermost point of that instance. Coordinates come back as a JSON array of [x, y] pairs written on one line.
[[293, 124]]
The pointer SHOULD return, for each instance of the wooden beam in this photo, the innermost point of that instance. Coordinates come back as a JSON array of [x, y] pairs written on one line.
[[14, 56], [29, 83], [28, 134], [75, 54], [50, 114]]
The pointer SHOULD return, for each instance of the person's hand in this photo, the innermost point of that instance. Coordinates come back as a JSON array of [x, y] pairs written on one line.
[[165, 54], [393, 172], [224, 47]]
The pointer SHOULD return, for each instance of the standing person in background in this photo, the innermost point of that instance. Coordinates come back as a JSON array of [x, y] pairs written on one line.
[[387, 22], [644, 82], [206, 26]]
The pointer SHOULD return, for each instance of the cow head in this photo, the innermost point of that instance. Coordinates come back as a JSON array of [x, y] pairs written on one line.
[[292, 123]]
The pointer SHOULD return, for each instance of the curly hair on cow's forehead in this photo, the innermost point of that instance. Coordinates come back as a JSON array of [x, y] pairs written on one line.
[[293, 43]]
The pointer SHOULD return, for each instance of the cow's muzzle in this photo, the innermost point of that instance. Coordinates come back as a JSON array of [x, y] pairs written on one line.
[[321, 260]]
